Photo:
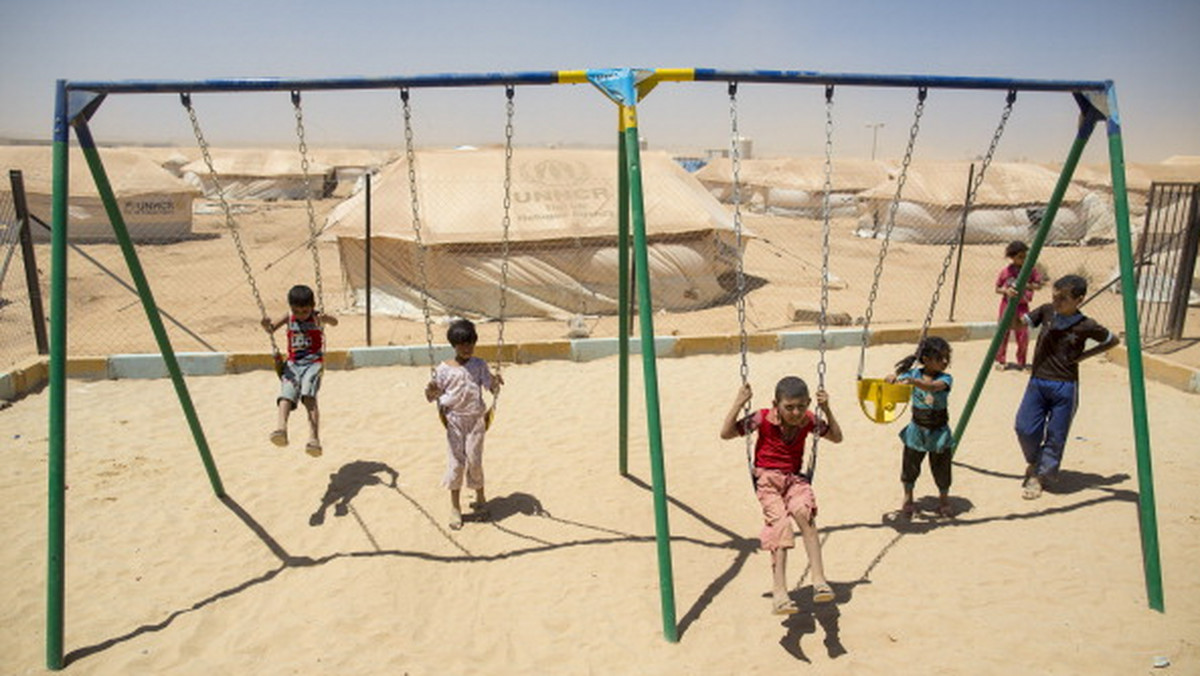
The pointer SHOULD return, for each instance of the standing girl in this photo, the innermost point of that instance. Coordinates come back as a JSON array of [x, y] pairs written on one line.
[[1006, 286], [928, 434]]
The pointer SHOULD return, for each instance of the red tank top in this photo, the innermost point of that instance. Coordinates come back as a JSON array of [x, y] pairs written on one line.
[[771, 450]]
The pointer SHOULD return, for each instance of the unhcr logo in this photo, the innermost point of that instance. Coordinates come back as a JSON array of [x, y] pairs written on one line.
[[559, 181], [555, 173]]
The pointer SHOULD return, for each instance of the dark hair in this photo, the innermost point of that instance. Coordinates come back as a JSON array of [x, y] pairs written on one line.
[[462, 332], [932, 346], [1015, 247], [300, 296], [1075, 284], [791, 387]]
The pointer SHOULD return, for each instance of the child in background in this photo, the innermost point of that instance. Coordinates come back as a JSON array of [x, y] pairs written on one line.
[[785, 494], [928, 434], [301, 377], [1052, 395], [1006, 286], [457, 386]]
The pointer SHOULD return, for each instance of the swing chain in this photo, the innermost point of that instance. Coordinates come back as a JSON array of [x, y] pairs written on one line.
[[823, 317], [976, 182], [230, 224], [735, 167], [743, 340], [410, 158], [509, 92], [891, 221], [308, 203]]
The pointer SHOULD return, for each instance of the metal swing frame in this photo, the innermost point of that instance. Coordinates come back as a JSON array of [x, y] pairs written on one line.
[[76, 102]]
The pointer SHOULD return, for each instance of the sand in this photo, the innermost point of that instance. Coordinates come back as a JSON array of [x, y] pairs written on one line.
[[277, 578]]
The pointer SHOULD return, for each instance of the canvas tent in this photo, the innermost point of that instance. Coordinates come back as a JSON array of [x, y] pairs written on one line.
[[261, 174], [156, 206], [349, 165], [562, 239], [794, 185], [1007, 206]]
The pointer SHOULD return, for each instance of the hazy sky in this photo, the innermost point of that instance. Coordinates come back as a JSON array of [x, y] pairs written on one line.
[[1148, 48]]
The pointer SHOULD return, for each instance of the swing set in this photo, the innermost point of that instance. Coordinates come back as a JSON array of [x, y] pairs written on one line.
[[77, 102]]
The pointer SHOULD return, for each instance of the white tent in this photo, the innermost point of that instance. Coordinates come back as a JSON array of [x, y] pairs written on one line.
[[794, 185], [155, 205], [261, 174], [562, 235], [1007, 206]]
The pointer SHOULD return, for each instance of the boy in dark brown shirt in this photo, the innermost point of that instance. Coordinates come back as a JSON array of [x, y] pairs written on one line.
[[1052, 395]]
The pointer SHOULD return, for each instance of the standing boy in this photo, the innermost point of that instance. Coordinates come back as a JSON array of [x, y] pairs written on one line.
[[1052, 395]]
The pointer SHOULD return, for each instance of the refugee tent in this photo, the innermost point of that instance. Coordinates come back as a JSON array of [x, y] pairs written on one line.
[[794, 186], [155, 205], [261, 174], [350, 165], [1139, 176], [1007, 206], [562, 235]]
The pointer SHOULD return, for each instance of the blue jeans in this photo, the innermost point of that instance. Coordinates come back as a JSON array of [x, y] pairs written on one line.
[[1043, 421]]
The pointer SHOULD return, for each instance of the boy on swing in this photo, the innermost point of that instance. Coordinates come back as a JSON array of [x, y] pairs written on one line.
[[301, 377], [784, 493]]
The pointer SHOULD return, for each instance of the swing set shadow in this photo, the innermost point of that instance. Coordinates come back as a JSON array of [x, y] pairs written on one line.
[[348, 482]]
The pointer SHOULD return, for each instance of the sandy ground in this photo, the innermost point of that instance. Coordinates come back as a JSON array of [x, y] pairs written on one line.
[[323, 566]]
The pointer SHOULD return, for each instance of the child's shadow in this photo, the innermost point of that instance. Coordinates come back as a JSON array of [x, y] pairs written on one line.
[[1069, 481], [925, 516], [346, 483], [806, 621], [499, 509]]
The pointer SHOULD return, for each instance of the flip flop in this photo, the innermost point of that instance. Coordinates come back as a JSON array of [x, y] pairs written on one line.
[[456, 520], [313, 448], [823, 593], [1033, 489], [784, 606], [908, 509], [279, 437]]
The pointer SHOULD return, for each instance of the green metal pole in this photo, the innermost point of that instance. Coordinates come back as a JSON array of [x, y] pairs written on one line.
[[623, 309], [56, 477], [641, 264], [1087, 123], [1147, 515], [139, 279]]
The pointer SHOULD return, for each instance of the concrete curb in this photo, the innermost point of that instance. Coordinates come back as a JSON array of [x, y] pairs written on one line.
[[33, 375]]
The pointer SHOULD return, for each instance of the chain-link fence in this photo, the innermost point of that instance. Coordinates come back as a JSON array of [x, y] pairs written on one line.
[[558, 277], [205, 296]]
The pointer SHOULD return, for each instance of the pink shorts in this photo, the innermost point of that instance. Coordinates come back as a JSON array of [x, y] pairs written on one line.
[[783, 497]]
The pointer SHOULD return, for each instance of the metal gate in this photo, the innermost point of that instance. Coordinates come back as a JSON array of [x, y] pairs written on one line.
[[1166, 256]]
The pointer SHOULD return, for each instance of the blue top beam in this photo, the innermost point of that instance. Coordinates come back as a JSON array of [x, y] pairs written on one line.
[[929, 81], [271, 84], [557, 77]]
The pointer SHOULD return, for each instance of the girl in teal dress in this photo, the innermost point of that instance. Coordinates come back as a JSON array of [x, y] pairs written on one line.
[[928, 434]]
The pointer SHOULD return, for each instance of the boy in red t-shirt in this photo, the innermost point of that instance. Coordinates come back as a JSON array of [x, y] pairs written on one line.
[[783, 491]]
